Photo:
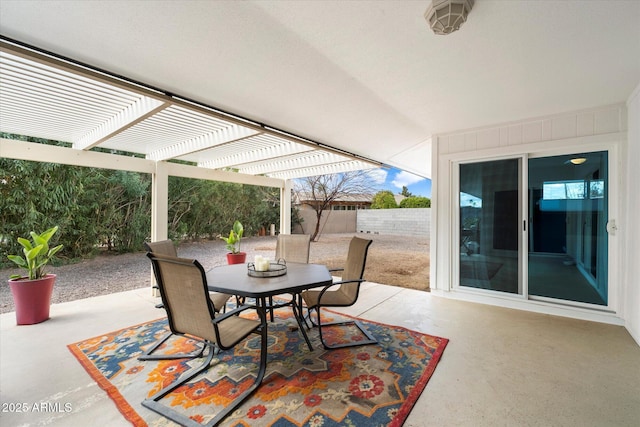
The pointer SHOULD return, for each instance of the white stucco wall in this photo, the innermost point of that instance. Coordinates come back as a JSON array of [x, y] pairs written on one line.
[[586, 130], [631, 266], [331, 222]]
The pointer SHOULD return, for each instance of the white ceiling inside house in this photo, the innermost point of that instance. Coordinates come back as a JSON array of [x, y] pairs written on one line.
[[366, 77]]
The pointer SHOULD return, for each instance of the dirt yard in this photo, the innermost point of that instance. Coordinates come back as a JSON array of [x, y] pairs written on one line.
[[393, 260]]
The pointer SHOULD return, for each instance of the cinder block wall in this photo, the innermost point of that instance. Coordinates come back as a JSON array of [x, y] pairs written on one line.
[[416, 221]]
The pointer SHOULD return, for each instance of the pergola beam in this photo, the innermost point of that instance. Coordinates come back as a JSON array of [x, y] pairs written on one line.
[[187, 171], [22, 150], [135, 113]]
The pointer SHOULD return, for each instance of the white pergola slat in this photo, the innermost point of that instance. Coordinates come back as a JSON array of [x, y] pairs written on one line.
[[48, 97], [136, 112], [323, 169], [249, 157]]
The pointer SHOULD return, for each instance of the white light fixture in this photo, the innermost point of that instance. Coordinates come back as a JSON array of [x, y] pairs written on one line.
[[446, 16], [578, 160]]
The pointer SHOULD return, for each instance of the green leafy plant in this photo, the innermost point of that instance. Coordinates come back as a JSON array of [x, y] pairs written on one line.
[[37, 254], [235, 235]]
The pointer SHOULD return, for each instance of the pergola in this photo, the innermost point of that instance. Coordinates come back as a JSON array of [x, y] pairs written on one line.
[[50, 97], [319, 87]]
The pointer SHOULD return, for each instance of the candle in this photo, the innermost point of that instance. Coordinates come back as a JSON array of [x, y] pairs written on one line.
[[258, 263], [261, 263]]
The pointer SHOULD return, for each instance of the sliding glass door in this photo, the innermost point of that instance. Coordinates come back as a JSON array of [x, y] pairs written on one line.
[[568, 251], [538, 231], [489, 225]]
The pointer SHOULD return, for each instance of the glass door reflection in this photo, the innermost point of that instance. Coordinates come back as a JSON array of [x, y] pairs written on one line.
[[489, 225], [568, 240]]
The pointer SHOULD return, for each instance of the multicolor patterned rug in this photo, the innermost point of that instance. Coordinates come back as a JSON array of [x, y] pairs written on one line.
[[371, 385]]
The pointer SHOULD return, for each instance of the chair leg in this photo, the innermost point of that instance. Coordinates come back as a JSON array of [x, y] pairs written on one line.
[[153, 402], [309, 317], [148, 355], [370, 339]]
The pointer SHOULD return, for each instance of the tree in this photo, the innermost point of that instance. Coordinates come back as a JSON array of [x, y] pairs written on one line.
[[406, 192], [35, 197], [126, 204], [322, 190], [102, 208], [384, 200], [416, 202]]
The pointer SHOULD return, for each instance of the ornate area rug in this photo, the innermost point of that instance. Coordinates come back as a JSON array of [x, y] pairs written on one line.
[[371, 385]]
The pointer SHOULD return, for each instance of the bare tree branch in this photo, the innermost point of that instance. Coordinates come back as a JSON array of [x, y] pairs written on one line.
[[321, 191]]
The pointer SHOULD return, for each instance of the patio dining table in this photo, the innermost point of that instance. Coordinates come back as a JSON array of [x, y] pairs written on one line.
[[235, 280]]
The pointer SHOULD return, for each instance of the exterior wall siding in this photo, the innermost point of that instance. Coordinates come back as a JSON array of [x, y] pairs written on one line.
[[631, 266], [572, 131], [600, 121]]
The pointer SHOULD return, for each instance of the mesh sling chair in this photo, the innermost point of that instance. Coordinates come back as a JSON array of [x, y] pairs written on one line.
[[183, 288], [345, 293], [166, 247], [291, 248]]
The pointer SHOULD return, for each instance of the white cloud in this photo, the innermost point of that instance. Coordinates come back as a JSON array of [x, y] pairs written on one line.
[[469, 200], [378, 176], [403, 179]]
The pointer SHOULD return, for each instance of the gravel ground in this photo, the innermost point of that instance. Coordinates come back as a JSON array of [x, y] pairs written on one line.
[[393, 260]]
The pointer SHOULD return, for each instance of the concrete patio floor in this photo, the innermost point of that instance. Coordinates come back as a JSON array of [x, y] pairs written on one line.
[[501, 367]]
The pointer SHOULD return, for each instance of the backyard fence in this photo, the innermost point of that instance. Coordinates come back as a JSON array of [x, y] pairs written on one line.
[[414, 221]]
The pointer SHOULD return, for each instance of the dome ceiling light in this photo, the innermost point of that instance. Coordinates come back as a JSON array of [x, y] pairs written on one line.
[[446, 16], [578, 160]]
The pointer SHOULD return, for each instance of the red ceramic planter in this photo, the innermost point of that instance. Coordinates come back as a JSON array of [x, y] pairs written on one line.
[[32, 298], [238, 258]]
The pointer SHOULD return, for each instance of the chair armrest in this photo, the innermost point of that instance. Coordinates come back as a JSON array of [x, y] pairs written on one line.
[[335, 269], [233, 312], [341, 282]]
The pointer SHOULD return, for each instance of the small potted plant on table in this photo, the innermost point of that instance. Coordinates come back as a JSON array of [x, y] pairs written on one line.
[[32, 293], [233, 244]]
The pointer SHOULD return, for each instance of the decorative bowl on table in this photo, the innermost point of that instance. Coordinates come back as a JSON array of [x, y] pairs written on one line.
[[263, 267]]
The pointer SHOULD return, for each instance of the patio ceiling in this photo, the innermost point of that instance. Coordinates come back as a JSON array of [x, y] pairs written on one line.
[[366, 77], [47, 97]]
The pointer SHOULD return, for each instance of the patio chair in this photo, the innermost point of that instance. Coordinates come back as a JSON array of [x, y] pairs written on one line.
[[291, 248], [344, 294], [166, 247], [183, 289]]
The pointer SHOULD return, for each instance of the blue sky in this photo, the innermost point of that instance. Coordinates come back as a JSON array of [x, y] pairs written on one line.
[[393, 179]]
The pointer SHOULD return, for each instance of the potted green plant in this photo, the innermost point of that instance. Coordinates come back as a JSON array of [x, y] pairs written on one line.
[[32, 293], [235, 256]]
